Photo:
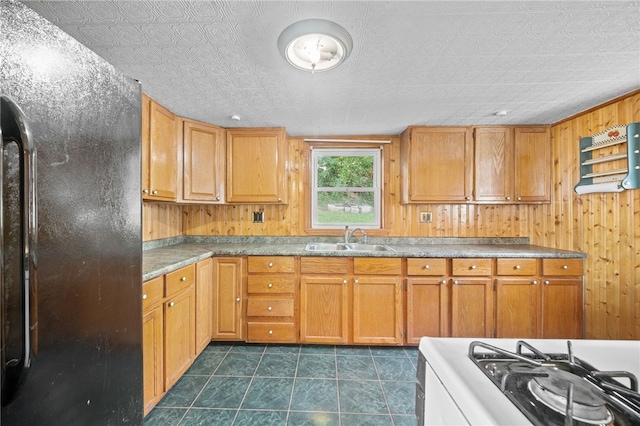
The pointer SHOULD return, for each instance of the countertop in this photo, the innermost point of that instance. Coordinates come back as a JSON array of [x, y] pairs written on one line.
[[161, 257]]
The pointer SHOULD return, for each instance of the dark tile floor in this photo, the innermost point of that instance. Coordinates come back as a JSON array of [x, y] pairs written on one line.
[[264, 385]]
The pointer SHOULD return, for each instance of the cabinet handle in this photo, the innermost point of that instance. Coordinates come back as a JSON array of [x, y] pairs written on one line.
[[546, 282], [270, 285], [455, 282], [427, 266], [344, 281], [517, 266], [565, 267], [534, 282], [270, 331], [154, 192], [473, 266], [270, 264], [269, 308], [519, 198], [144, 297], [145, 191], [355, 281], [237, 299], [217, 198], [443, 282], [507, 198], [467, 198], [279, 199], [171, 304], [183, 279]]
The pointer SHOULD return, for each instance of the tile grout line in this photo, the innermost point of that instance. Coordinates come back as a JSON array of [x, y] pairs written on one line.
[[293, 385], [264, 350]]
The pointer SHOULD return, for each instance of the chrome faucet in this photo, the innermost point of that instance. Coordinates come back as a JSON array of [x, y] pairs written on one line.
[[348, 235]]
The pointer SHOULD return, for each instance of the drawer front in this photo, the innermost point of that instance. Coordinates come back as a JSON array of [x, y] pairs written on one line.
[[262, 264], [562, 266], [426, 266], [260, 284], [324, 265], [177, 281], [377, 265], [271, 332], [516, 266], [269, 307], [471, 267], [152, 292]]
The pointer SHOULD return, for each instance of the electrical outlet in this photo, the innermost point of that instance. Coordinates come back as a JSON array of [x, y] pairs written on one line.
[[425, 217], [258, 217]]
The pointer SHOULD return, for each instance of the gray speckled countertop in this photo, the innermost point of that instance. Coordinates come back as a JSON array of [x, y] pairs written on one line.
[[161, 257]]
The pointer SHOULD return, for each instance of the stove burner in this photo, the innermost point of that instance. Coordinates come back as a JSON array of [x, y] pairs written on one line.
[[552, 390]]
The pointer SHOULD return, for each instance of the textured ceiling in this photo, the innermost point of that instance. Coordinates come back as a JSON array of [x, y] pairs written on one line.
[[413, 63]]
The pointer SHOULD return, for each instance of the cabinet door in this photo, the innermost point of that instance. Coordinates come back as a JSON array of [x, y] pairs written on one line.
[[152, 357], [439, 163], [562, 308], [204, 302], [532, 164], [472, 308], [227, 298], [323, 309], [427, 308], [203, 163], [517, 307], [163, 155], [377, 310], [256, 166], [493, 164], [180, 335]]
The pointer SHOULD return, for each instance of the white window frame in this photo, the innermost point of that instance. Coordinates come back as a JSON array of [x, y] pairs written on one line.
[[376, 153]]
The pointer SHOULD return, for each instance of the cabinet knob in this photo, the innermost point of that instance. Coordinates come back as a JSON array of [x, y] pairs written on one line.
[[270, 331], [427, 266], [519, 198], [279, 199], [455, 282], [270, 285], [565, 267], [534, 282], [508, 198], [517, 266], [171, 304], [344, 281], [217, 198], [270, 264], [269, 308], [145, 191], [355, 281], [473, 266], [467, 198], [237, 299], [154, 192], [443, 282], [546, 282], [183, 279], [144, 297]]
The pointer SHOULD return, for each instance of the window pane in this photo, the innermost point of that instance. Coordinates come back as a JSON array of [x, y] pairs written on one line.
[[345, 171], [344, 208]]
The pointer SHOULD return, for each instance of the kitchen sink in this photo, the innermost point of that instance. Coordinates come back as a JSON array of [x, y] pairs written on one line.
[[346, 247]]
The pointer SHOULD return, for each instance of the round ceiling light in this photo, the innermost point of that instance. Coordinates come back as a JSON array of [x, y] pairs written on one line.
[[315, 45]]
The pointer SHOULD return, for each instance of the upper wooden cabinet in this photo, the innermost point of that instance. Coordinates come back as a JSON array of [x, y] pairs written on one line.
[[257, 166], [159, 152], [436, 164], [203, 159], [491, 165]]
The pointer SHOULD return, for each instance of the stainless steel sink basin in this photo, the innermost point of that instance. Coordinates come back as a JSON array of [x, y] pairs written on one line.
[[325, 247], [368, 247], [346, 247]]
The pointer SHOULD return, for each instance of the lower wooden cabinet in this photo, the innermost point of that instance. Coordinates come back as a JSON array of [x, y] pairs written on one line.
[[204, 303], [472, 307], [152, 343], [562, 308], [428, 294], [518, 307], [228, 273]]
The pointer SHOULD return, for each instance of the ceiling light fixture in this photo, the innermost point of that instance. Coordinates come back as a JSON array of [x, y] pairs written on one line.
[[315, 45]]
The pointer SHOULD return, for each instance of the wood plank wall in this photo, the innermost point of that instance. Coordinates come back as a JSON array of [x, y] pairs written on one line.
[[605, 226]]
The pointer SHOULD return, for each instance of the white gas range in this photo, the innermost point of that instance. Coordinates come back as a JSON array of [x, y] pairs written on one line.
[[453, 389]]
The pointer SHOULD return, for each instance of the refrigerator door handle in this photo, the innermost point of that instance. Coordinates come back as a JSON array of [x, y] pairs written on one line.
[[15, 129]]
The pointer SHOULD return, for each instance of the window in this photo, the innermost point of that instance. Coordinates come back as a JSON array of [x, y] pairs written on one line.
[[345, 187]]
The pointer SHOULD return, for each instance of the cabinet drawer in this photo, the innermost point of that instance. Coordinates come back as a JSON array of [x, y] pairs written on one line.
[[278, 264], [177, 281], [260, 284], [152, 292], [323, 265], [562, 266], [268, 307], [471, 267], [271, 332], [377, 265], [426, 266], [516, 266]]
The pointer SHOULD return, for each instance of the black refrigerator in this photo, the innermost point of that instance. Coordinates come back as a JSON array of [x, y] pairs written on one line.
[[71, 311]]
